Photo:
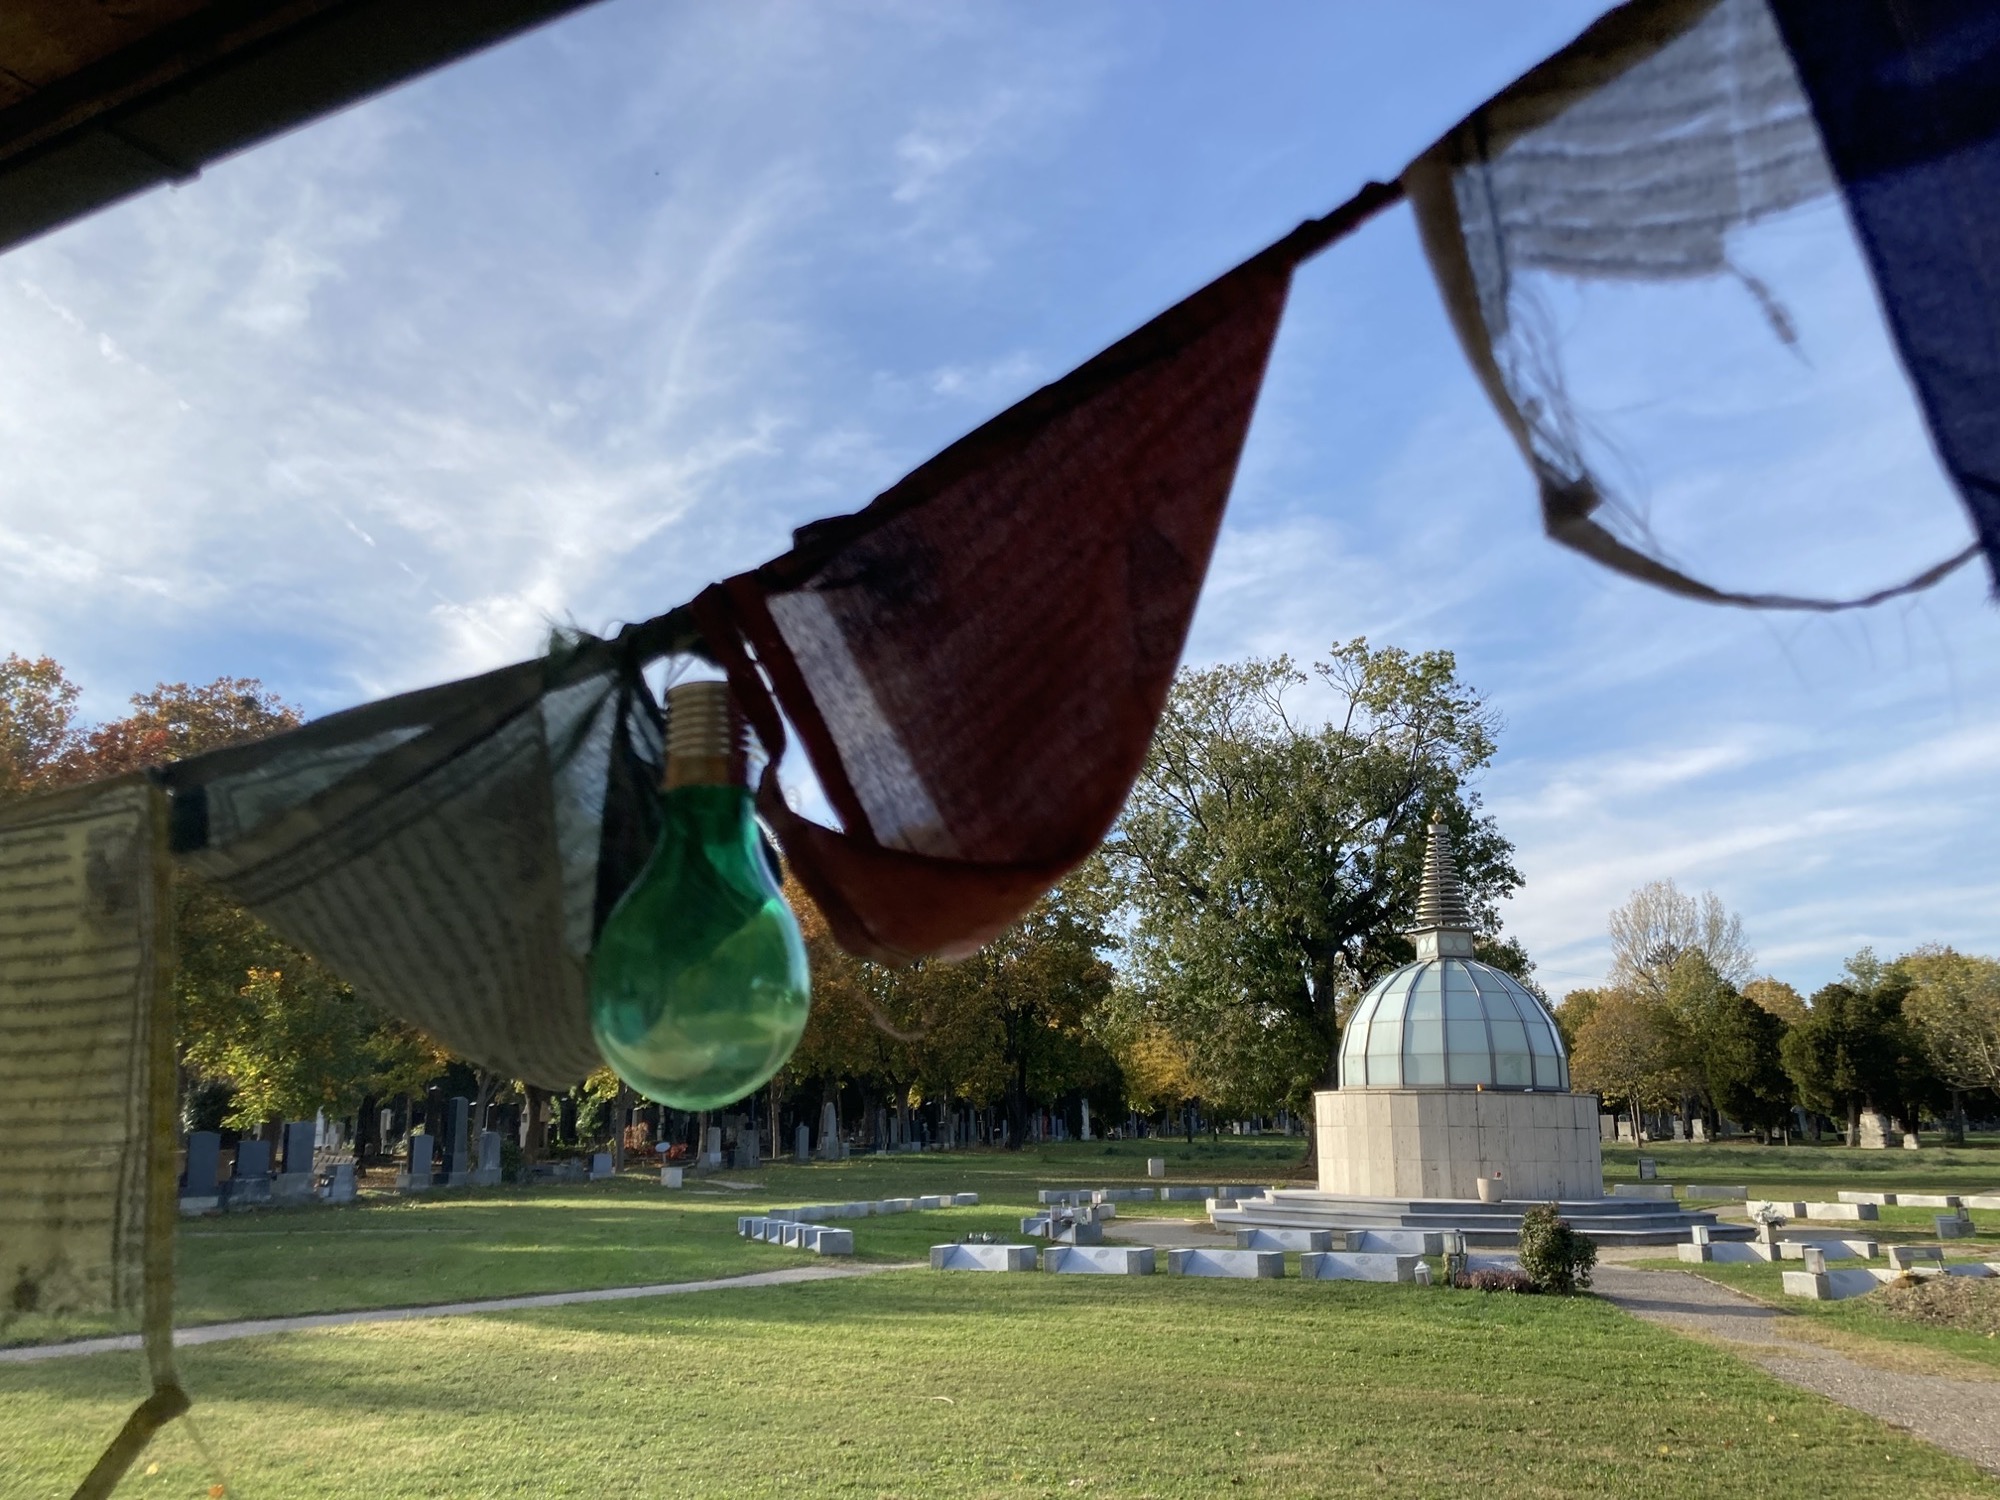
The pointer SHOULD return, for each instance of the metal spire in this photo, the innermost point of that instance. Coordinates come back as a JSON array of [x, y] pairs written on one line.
[[1444, 920]]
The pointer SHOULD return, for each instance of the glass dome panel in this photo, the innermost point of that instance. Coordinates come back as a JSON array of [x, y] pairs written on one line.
[[1423, 1070], [1470, 1067], [1428, 1007], [1451, 1023], [1512, 1070]]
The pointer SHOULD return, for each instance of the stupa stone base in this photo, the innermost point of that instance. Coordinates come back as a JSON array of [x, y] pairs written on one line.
[[1438, 1143]]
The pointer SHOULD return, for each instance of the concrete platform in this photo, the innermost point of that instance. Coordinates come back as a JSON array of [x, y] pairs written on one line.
[[1609, 1222]]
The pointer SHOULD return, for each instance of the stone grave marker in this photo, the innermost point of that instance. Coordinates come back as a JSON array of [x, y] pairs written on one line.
[[802, 1143], [252, 1181], [487, 1173], [1156, 1166], [340, 1188], [1100, 1260], [600, 1165], [1648, 1169], [418, 1175], [1341, 1265], [711, 1148], [983, 1257], [457, 1146], [1238, 1265], [294, 1182], [670, 1177], [199, 1190], [1956, 1226]]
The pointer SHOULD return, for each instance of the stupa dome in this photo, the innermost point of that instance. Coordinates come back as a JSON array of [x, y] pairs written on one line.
[[1448, 1021]]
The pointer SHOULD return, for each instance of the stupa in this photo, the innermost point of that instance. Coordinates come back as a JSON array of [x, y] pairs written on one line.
[[1450, 1072], [1454, 1110]]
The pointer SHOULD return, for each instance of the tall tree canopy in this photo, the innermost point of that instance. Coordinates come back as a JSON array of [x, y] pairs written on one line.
[[1659, 922], [1953, 1005], [1271, 859]]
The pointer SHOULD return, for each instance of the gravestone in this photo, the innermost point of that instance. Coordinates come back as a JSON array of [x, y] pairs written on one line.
[[1842, 1212], [1395, 1241], [1607, 1127], [204, 1161], [983, 1257], [1698, 1131], [802, 1144], [1625, 1129], [1903, 1258], [252, 1182], [340, 1189], [745, 1157], [600, 1165], [294, 1183], [385, 1122], [1648, 1169], [1340, 1265], [670, 1177], [1283, 1239], [418, 1176], [487, 1173], [1100, 1260], [1156, 1166], [1086, 1120], [1910, 1141], [1956, 1226], [457, 1148], [711, 1148], [1238, 1265]]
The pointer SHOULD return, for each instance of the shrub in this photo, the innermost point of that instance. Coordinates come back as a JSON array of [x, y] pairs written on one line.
[[1496, 1281], [1553, 1255]]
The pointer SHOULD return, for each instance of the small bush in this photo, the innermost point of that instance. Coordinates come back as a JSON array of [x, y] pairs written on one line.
[[1496, 1281], [1553, 1255]]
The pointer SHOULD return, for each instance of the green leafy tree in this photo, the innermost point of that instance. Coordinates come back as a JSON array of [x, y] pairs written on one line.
[[1574, 1013], [1660, 923], [1953, 1006], [1271, 861], [1624, 1055], [1855, 1049]]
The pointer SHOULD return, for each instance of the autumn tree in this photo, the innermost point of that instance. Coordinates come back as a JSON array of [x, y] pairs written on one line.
[[1777, 997], [1271, 859], [1623, 1054], [1659, 922], [1953, 1007], [37, 724]]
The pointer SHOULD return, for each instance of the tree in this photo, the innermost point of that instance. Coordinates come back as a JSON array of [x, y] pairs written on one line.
[[37, 719], [1623, 1055], [1777, 997], [1855, 1050], [1577, 1007], [1272, 863], [1953, 1007], [1659, 922]]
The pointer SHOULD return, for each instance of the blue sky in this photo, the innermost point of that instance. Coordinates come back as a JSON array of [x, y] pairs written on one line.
[[574, 327]]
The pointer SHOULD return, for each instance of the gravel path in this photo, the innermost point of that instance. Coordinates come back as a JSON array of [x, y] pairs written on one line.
[[1959, 1416], [215, 1333]]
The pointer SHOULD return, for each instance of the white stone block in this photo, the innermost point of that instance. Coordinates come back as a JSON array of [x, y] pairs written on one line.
[[1242, 1265], [895, 1205], [1284, 1239], [1341, 1265], [1809, 1284], [1696, 1253], [833, 1242], [1789, 1210], [1880, 1200], [1928, 1200], [965, 1200], [930, 1200], [1653, 1192], [1909, 1257], [1980, 1200], [1713, 1193], [1851, 1212], [1396, 1241], [671, 1176], [1831, 1249], [1156, 1166], [1099, 1260], [983, 1257], [1185, 1194]]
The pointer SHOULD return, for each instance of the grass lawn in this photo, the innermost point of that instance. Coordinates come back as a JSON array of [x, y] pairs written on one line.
[[919, 1384], [1814, 1173]]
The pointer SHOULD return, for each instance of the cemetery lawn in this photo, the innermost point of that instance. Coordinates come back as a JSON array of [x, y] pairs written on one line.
[[399, 1251], [920, 1384], [1815, 1173], [1861, 1318]]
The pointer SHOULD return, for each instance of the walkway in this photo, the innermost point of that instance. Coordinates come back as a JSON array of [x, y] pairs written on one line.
[[1959, 1416], [216, 1333]]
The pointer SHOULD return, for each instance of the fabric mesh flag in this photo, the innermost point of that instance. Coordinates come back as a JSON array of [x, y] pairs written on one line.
[[86, 1051], [451, 852], [975, 662], [1651, 151]]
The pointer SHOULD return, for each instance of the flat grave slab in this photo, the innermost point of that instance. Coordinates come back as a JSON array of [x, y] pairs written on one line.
[[930, 1200], [1099, 1260], [1851, 1212], [1712, 1191], [1653, 1192], [1185, 1194], [1880, 1200], [1910, 1257], [1239, 1265], [896, 1206], [1831, 1286], [983, 1257], [1725, 1252], [1831, 1249], [1284, 1239], [1345, 1265], [965, 1200], [1396, 1241], [1928, 1200], [1953, 1227]]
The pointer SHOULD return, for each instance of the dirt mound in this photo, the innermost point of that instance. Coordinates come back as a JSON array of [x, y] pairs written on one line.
[[1960, 1302]]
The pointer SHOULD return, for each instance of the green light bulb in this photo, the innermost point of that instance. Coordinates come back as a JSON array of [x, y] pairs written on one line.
[[699, 988]]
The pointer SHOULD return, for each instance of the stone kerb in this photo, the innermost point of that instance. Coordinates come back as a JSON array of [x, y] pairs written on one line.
[[1652, 1192], [1238, 1265], [983, 1257], [1909, 1257], [1929, 1200], [1396, 1241], [1786, 1209], [1849, 1212], [1099, 1260], [1980, 1200], [1284, 1239], [1342, 1265], [1186, 1194], [1712, 1192]]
